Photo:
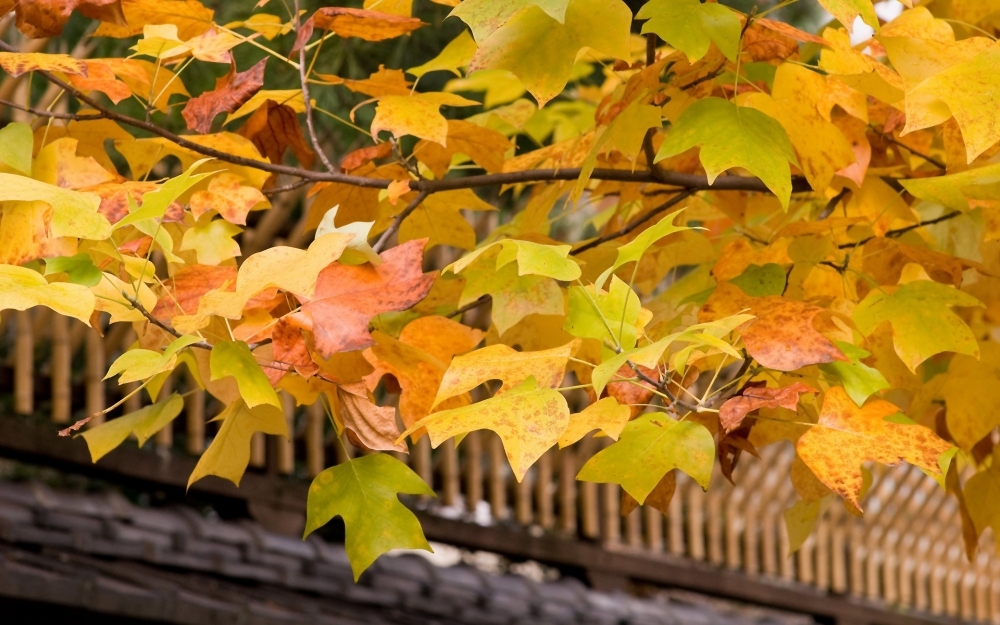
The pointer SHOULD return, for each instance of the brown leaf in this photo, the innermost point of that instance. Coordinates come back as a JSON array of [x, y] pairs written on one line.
[[76, 426], [730, 447], [373, 426], [357, 158], [764, 44], [46, 18], [658, 498], [781, 336], [274, 128], [736, 408], [348, 296], [632, 393], [884, 260], [290, 349], [231, 92]]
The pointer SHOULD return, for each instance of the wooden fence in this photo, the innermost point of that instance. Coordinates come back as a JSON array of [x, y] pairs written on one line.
[[906, 551]]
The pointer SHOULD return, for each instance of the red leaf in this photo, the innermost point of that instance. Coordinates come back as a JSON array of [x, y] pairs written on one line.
[[274, 128], [348, 296], [231, 92], [732, 413]]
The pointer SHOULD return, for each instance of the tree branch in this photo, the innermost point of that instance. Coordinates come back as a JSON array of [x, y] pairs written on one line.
[[391, 230], [680, 197], [901, 231], [304, 79]]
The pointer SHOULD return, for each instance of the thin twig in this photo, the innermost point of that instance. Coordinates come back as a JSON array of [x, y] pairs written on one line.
[[303, 71], [926, 157], [901, 231], [288, 187], [471, 306], [680, 197], [832, 204], [391, 230]]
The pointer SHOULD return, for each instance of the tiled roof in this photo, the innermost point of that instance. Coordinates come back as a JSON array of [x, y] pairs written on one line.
[[101, 553]]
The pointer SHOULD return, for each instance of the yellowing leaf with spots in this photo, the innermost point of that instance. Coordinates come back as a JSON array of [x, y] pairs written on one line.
[[605, 415], [847, 436], [691, 26], [417, 114]]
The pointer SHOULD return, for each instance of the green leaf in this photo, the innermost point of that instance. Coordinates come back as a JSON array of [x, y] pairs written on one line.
[[536, 259], [734, 136], [142, 364], [690, 26], [649, 446], [79, 268], [458, 53], [610, 317], [485, 16], [364, 492], [605, 415], [632, 251], [528, 419], [800, 520], [16, 144], [921, 319], [22, 288], [233, 358], [229, 454], [74, 213], [155, 203], [859, 380], [761, 281], [144, 423], [532, 33], [955, 190]]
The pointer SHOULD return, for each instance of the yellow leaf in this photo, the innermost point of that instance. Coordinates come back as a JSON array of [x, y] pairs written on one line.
[[527, 418], [22, 288], [144, 423], [211, 240], [458, 53], [17, 63], [109, 298], [416, 115], [233, 359], [848, 10], [229, 453], [971, 415], [846, 436], [190, 16], [604, 415], [74, 214]]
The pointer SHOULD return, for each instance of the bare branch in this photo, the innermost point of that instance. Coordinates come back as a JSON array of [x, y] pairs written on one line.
[[391, 230], [304, 79], [680, 197]]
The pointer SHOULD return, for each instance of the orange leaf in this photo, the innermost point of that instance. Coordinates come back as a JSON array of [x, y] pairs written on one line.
[[383, 82], [290, 350], [228, 196], [100, 77], [274, 128], [231, 92], [781, 336], [372, 426], [17, 63], [348, 296], [357, 158], [191, 282], [397, 189], [736, 408], [46, 18], [367, 25], [846, 436], [114, 199]]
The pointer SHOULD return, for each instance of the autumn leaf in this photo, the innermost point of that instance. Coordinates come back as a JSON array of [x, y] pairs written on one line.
[[191, 17], [21, 289], [971, 415], [46, 18], [609, 316], [142, 364], [144, 423], [846, 11], [16, 63], [858, 379], [846, 436], [921, 319], [736, 408], [233, 358], [347, 297], [363, 491], [734, 136], [649, 447], [367, 25], [528, 419], [659, 498], [372, 426], [605, 415], [228, 196], [231, 92], [274, 128], [16, 143], [500, 362], [229, 454], [690, 26], [416, 114]]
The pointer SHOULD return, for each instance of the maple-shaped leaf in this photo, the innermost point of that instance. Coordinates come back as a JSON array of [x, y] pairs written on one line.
[[212, 241], [231, 92], [606, 415], [233, 358], [972, 414], [366, 423], [649, 447], [274, 128], [17, 63], [847, 11], [633, 251], [921, 319], [659, 498], [858, 379], [609, 316], [418, 361], [46, 18], [514, 296], [484, 146], [955, 190], [525, 32], [691, 26], [416, 114], [532, 258], [456, 54], [439, 219], [191, 18], [511, 367], [22, 288], [735, 409], [822, 148], [101, 77], [347, 297], [364, 493], [847, 436], [782, 335], [227, 195], [381, 83], [734, 136], [79, 268], [144, 423], [945, 79], [74, 214], [350, 22], [529, 420], [229, 453], [141, 364]]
